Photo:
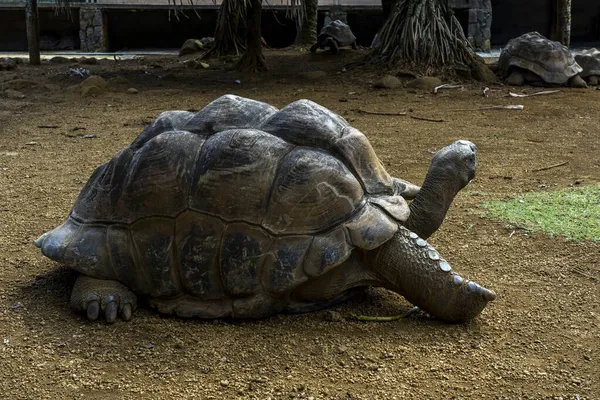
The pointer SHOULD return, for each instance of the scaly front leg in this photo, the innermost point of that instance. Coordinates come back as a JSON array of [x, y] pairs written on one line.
[[409, 266]]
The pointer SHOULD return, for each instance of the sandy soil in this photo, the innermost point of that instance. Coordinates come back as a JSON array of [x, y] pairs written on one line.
[[539, 340]]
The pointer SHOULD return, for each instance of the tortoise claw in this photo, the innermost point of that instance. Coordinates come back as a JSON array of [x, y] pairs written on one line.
[[110, 298], [126, 312], [93, 310], [111, 310]]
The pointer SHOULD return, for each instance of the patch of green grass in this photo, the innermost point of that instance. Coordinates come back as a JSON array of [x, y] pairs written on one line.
[[573, 213]]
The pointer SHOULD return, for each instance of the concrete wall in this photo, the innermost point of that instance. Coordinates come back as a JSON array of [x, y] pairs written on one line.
[[585, 21], [139, 29], [150, 27], [57, 32], [513, 18]]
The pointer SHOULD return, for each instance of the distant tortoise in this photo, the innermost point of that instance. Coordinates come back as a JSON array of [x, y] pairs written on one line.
[[533, 59], [334, 35], [589, 60], [242, 210]]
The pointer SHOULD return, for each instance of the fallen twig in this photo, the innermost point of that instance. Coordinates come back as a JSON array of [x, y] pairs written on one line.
[[48, 126], [391, 114], [533, 94], [550, 167], [446, 86], [509, 107], [586, 275], [427, 119], [410, 312]]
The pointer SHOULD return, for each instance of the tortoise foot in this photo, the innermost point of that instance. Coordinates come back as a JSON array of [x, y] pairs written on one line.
[[516, 78], [577, 82], [106, 297]]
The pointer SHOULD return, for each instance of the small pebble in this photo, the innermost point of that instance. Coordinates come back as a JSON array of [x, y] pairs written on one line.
[[332, 316], [14, 94]]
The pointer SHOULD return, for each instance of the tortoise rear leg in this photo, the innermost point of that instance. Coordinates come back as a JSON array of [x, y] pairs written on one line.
[[96, 296], [515, 78], [354, 45]]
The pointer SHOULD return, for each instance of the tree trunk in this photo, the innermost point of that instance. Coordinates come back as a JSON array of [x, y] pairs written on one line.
[[32, 22], [307, 27], [561, 24], [253, 59], [228, 37], [387, 6]]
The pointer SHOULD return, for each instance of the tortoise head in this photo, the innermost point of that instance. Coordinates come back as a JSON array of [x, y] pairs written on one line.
[[452, 168], [456, 162]]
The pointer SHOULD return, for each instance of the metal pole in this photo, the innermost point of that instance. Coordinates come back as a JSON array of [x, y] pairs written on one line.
[[32, 21]]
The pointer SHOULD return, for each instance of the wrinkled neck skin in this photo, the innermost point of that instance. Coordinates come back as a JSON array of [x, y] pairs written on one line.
[[428, 209]]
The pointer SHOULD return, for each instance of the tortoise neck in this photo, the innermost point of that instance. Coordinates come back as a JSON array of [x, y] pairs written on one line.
[[429, 208]]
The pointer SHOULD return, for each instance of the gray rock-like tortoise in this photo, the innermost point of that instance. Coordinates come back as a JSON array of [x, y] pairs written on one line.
[[589, 60], [334, 35], [242, 210], [531, 58]]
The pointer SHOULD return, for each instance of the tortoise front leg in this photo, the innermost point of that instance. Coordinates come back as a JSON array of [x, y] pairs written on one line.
[[95, 296], [409, 266], [332, 44]]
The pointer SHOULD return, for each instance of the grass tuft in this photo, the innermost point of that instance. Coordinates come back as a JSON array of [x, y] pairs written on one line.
[[573, 213]]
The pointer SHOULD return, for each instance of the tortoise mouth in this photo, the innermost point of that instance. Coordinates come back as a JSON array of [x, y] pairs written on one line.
[[472, 174]]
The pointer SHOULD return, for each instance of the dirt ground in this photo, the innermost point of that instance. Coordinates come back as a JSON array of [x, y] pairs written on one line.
[[539, 340]]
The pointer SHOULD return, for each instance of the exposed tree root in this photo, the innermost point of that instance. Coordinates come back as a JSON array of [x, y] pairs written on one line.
[[252, 63], [422, 35], [252, 60], [229, 38]]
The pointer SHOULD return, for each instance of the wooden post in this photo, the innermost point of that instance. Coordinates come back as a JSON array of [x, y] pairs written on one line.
[[561, 27], [32, 21], [306, 29]]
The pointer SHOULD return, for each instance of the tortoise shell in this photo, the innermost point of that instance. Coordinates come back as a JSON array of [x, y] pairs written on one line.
[[548, 59], [339, 31], [589, 60], [236, 200]]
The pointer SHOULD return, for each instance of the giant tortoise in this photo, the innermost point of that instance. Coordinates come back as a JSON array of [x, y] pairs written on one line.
[[334, 35], [242, 210], [589, 60], [532, 58]]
